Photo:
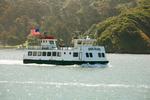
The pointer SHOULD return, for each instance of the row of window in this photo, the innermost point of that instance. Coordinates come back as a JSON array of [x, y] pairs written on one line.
[[91, 55], [35, 53], [101, 55], [58, 54], [45, 41]]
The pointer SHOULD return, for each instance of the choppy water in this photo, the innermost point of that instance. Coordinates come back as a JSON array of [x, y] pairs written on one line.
[[127, 77]]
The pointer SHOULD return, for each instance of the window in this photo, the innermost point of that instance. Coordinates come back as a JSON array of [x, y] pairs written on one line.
[[103, 55], [34, 53], [44, 54], [58, 54], [64, 52], [48, 53], [39, 53], [54, 54], [70, 53], [99, 54], [75, 54], [87, 54], [30, 53], [51, 42], [91, 55]]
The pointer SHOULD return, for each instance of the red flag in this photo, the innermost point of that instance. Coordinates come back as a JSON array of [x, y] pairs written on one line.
[[35, 32]]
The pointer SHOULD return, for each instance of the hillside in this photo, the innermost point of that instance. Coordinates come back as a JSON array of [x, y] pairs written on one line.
[[127, 33], [59, 17], [119, 25]]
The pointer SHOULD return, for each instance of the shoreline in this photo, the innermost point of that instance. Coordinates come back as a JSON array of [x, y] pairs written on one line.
[[12, 47], [130, 52], [21, 48]]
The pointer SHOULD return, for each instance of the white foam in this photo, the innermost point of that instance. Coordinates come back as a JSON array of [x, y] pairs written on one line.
[[77, 84], [96, 65], [11, 62], [20, 62]]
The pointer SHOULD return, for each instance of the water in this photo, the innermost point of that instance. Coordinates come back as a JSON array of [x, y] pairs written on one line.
[[127, 77]]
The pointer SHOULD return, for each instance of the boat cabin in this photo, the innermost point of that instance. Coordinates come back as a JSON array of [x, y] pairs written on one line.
[[83, 42], [48, 43]]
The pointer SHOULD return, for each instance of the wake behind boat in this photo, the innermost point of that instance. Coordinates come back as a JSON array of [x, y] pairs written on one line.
[[48, 52]]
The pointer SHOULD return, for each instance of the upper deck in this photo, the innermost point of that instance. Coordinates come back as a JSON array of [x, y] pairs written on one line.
[[83, 42], [50, 43]]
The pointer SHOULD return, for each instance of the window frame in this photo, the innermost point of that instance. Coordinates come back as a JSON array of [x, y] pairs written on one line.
[[75, 54], [99, 55], [103, 54], [51, 42], [44, 53], [58, 54], [34, 53], [39, 53], [54, 54], [49, 54], [29, 53], [70, 53], [87, 55], [91, 55]]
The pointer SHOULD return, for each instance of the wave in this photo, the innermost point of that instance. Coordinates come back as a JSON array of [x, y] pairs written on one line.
[[11, 62], [96, 65], [58, 84], [20, 62]]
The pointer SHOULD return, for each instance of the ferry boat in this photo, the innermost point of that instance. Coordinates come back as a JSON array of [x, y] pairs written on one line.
[[82, 52]]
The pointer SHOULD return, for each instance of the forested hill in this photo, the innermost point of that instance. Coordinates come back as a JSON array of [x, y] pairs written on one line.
[[117, 24], [128, 32]]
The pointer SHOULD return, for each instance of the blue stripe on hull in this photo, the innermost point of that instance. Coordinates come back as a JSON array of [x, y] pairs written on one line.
[[26, 61]]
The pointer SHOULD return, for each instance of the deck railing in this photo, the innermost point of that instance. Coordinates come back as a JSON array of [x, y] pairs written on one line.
[[49, 48]]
